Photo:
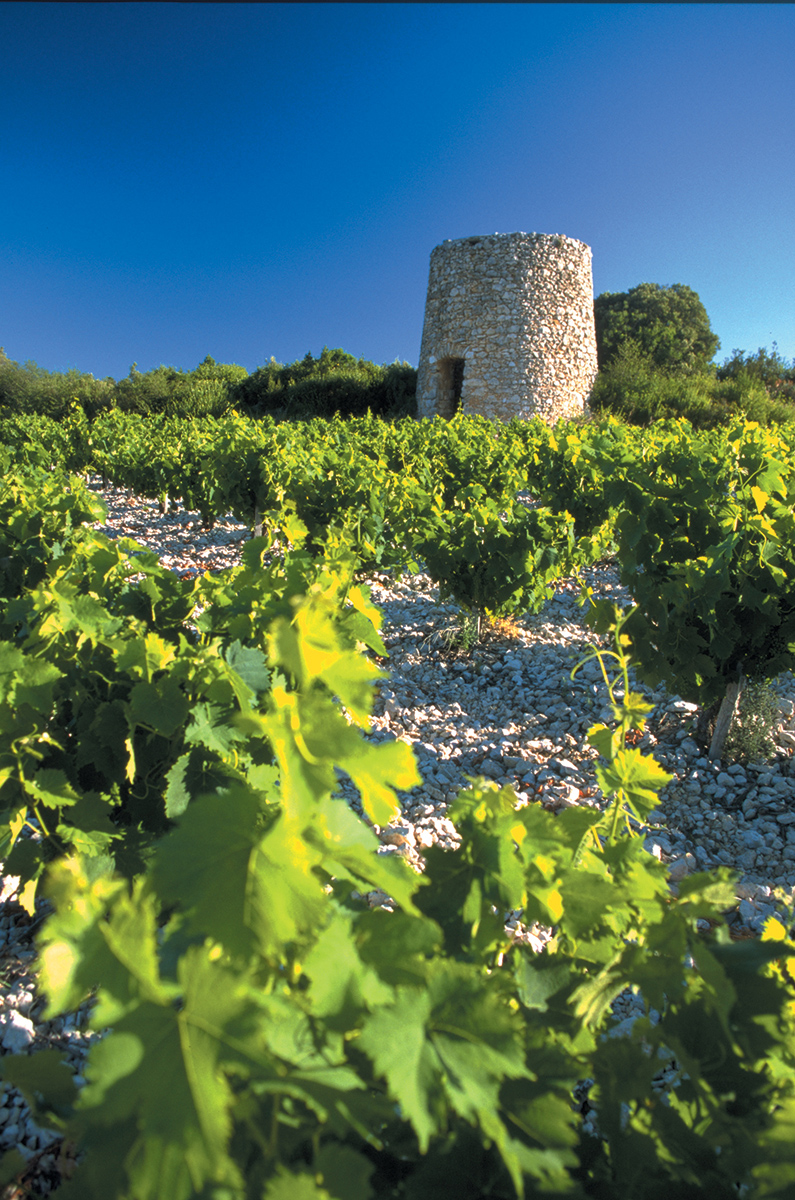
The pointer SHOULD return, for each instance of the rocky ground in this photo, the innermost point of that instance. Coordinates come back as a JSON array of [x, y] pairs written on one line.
[[507, 709]]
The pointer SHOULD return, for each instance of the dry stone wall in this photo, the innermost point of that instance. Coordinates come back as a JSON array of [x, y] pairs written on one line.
[[509, 328]]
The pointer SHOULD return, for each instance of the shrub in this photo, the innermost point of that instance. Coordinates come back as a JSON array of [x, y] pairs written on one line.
[[148, 392], [201, 398], [335, 383], [346, 393], [635, 390], [395, 392], [773, 372], [750, 737], [208, 391], [33, 389]]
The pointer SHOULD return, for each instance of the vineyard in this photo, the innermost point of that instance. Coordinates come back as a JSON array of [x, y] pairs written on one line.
[[169, 758]]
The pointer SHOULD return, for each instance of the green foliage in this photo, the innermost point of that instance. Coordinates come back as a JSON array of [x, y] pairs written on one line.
[[335, 383], [750, 737], [633, 388], [122, 687], [394, 391], [32, 389], [209, 390], [670, 324], [773, 372], [40, 510], [493, 562], [701, 521], [464, 633], [376, 480], [565, 470], [347, 393], [705, 545], [149, 392], [168, 762], [271, 1036]]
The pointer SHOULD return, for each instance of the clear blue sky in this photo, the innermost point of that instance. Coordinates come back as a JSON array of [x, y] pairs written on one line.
[[257, 180]]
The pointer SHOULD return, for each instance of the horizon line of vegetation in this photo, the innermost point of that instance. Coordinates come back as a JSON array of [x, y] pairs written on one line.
[[655, 347]]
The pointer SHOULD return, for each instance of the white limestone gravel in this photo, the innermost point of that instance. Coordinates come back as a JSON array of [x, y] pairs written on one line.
[[509, 711]]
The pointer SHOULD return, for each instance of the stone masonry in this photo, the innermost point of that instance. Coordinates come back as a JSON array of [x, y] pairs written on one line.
[[509, 328]]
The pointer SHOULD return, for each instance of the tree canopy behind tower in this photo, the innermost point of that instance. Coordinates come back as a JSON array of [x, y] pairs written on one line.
[[670, 324]]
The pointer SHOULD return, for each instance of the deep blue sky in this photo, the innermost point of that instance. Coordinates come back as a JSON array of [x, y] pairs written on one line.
[[248, 180]]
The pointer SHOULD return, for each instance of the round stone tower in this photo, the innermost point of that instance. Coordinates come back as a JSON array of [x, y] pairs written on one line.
[[509, 328]]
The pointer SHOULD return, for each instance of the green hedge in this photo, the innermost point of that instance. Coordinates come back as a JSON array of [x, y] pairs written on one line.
[[336, 382], [634, 389]]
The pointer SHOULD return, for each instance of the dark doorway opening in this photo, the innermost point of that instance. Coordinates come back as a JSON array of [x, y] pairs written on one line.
[[451, 383]]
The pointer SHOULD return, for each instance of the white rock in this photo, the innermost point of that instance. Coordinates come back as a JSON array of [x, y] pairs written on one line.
[[18, 1032]]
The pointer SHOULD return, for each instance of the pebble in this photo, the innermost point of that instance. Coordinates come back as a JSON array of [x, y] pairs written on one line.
[[18, 1032]]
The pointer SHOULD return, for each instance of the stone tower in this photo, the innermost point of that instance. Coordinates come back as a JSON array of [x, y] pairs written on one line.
[[509, 328]]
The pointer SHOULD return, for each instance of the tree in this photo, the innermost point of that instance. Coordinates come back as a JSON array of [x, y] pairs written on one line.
[[668, 323]]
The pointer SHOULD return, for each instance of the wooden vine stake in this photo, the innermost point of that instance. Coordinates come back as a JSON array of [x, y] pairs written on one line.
[[725, 715]]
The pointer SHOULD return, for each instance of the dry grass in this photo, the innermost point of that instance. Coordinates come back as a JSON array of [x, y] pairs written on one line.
[[505, 627]]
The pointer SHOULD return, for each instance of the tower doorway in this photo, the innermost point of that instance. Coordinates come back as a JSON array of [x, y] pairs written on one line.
[[451, 383]]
